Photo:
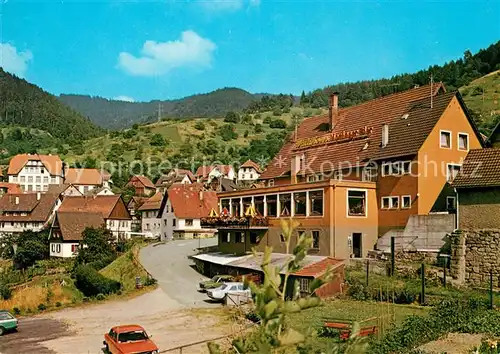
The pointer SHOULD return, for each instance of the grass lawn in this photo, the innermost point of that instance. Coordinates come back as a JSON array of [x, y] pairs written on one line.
[[350, 310]]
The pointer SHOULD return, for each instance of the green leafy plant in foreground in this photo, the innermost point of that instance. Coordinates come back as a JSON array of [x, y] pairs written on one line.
[[272, 305]]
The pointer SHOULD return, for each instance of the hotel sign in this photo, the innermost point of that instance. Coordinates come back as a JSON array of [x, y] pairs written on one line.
[[334, 137]]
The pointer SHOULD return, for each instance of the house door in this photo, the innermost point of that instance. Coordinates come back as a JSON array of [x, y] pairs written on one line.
[[356, 244]]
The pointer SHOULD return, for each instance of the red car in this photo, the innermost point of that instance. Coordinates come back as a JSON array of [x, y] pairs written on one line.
[[129, 339]]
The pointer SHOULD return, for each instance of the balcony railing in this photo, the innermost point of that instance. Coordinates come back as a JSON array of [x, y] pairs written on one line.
[[220, 222]]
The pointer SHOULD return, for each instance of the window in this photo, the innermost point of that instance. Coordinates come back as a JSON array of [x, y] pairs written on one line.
[[406, 202], [406, 167], [45, 187], [369, 174], [315, 237], [311, 178], [58, 248], [30, 179], [30, 188], [272, 205], [224, 204], [316, 203], [356, 203], [453, 171], [259, 204], [394, 202], [45, 179], [337, 175], [6, 316], [38, 188], [451, 203], [147, 227], [304, 284], [254, 237], [85, 189], [463, 141], [386, 203], [319, 177], [236, 207], [247, 202], [386, 169], [23, 179], [52, 180], [189, 222], [225, 237], [74, 248], [239, 237], [38, 179], [53, 247], [282, 238], [445, 140], [14, 178], [271, 182], [285, 204], [299, 203]]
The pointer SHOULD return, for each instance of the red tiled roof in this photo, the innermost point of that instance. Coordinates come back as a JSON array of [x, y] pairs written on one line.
[[52, 163], [408, 115], [153, 203], [481, 168], [204, 171], [83, 176], [12, 188], [72, 224], [103, 204], [146, 182], [36, 209], [185, 199], [251, 164], [317, 269], [176, 175]]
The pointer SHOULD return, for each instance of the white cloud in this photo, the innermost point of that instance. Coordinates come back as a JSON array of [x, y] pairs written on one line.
[[124, 98], [158, 58], [13, 61]]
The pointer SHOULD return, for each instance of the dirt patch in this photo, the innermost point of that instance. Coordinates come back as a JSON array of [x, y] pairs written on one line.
[[456, 343]]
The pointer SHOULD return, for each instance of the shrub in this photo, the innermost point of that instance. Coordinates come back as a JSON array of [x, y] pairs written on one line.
[[199, 125], [58, 304], [100, 297], [157, 140], [227, 132], [231, 117], [5, 292], [267, 120], [245, 134], [16, 311], [150, 281], [42, 307], [85, 299], [278, 124], [258, 128], [90, 282], [276, 111], [119, 292], [476, 91]]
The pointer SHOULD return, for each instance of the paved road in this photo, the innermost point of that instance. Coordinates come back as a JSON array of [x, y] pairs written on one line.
[[169, 264]]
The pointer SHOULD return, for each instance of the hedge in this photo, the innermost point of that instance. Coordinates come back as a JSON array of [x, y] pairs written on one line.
[[90, 282]]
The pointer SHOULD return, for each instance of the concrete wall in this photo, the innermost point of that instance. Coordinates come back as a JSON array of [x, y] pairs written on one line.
[[474, 255], [479, 208]]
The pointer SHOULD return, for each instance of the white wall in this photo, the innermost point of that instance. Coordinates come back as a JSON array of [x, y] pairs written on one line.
[[119, 227], [34, 177], [60, 249], [248, 174], [167, 228], [150, 222], [19, 226]]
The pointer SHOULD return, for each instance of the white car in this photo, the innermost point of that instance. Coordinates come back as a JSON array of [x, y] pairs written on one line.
[[228, 288]]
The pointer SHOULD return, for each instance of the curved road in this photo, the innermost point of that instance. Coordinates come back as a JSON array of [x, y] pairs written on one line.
[[169, 264]]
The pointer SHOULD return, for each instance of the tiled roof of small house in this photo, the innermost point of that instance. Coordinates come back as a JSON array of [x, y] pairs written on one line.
[[83, 176], [408, 114], [481, 168], [153, 203], [190, 201], [251, 164], [204, 171], [146, 182], [72, 224], [103, 204], [37, 206], [318, 268]]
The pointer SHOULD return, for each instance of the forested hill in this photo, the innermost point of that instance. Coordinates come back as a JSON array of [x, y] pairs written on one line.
[[27, 105], [119, 114], [453, 74]]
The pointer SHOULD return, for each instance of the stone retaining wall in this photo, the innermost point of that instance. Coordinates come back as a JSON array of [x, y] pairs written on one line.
[[474, 254]]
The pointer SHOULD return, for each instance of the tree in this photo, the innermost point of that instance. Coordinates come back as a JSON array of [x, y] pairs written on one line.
[[157, 140], [31, 247], [245, 134], [278, 124], [303, 99], [199, 125], [231, 117], [96, 248], [267, 120], [227, 132], [258, 128]]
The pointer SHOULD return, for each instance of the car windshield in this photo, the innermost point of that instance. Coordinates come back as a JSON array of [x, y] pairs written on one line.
[[216, 278], [5, 316], [223, 286], [132, 336]]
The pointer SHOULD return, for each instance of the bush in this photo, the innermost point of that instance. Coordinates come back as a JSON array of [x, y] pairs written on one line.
[[150, 281], [267, 120], [16, 311], [227, 132], [476, 91], [58, 304], [91, 283], [276, 111], [42, 307], [199, 125], [231, 117], [157, 140], [5, 292], [278, 124], [245, 134], [119, 292], [100, 297], [258, 128]]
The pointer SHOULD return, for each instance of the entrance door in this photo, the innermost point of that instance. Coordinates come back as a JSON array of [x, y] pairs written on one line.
[[356, 244]]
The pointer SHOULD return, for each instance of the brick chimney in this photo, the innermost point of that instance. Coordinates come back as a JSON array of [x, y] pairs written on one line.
[[333, 109]]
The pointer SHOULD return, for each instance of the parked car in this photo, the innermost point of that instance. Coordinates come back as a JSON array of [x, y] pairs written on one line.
[[7, 322], [129, 339], [215, 282], [228, 288]]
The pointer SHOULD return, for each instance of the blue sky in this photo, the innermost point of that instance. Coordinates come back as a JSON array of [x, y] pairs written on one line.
[[147, 50]]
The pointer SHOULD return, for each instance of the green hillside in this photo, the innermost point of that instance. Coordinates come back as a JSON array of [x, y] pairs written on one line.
[[482, 97], [27, 105]]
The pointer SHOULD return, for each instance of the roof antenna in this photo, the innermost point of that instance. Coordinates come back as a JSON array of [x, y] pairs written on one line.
[[432, 91]]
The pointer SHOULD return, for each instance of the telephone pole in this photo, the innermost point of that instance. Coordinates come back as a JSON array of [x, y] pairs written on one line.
[[159, 111], [432, 90]]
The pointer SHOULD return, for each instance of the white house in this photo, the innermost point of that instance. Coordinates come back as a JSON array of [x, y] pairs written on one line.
[[182, 208], [88, 180], [177, 175], [150, 222], [34, 172], [66, 231], [249, 172], [209, 172], [30, 211]]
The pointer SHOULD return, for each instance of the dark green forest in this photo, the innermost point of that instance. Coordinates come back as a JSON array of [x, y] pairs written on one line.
[[27, 105], [119, 114]]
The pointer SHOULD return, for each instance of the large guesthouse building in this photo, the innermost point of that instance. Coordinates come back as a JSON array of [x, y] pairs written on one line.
[[355, 174]]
